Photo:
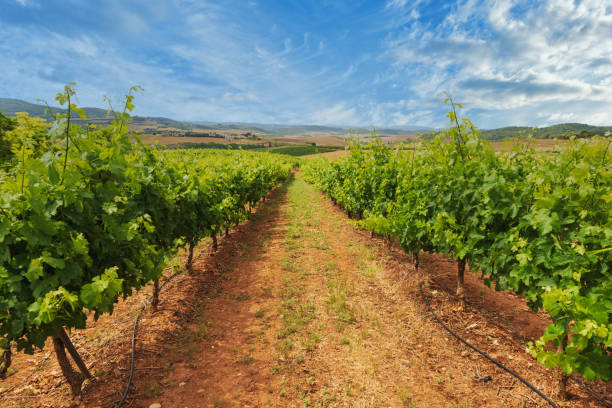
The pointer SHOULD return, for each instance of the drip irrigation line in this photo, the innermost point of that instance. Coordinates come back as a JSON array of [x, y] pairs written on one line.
[[134, 331], [482, 353]]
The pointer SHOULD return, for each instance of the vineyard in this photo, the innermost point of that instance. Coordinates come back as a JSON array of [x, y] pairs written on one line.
[[88, 217], [91, 219], [535, 224]]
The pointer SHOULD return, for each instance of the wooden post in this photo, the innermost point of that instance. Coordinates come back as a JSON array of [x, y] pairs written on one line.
[[460, 280], [561, 376], [155, 300], [215, 246], [190, 259]]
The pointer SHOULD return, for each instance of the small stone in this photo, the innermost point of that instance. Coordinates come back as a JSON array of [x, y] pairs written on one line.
[[182, 384], [472, 326], [155, 405], [201, 391], [465, 353]]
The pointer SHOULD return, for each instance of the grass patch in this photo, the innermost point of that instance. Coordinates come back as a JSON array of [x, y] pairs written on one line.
[[406, 396], [241, 296]]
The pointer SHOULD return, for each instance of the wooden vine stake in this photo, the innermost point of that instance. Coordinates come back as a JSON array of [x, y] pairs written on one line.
[[190, 258], [155, 300], [215, 245], [460, 280], [75, 379], [560, 375]]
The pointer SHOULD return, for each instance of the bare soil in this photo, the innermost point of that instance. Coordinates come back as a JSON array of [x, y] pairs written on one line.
[[297, 308]]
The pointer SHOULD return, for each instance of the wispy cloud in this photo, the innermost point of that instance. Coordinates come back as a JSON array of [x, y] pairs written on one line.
[[504, 55], [357, 63]]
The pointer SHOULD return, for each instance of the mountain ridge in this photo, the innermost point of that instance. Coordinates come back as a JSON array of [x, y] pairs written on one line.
[[10, 106]]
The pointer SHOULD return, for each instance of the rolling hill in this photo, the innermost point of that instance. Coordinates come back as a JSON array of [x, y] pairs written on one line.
[[101, 116]]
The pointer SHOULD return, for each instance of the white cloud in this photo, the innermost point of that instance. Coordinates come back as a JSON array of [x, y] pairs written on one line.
[[496, 56], [509, 62]]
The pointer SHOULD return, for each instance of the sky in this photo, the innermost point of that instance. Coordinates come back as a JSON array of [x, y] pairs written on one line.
[[327, 62]]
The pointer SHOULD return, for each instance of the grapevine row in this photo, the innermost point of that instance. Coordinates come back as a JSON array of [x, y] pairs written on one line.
[[91, 216], [537, 224]]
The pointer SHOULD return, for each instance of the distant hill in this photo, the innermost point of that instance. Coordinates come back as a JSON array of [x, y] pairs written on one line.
[[101, 117], [560, 131], [96, 115], [11, 106]]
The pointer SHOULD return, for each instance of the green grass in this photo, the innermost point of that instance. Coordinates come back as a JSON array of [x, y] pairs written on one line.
[[305, 150]]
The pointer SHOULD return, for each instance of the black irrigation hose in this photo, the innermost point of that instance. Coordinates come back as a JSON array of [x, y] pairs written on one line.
[[497, 363], [134, 330]]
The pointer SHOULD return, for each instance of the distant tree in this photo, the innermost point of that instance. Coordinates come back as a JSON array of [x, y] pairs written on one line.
[[31, 133], [6, 124]]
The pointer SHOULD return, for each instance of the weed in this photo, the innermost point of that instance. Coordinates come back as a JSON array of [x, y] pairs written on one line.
[[153, 391], [309, 342], [405, 397], [286, 345], [40, 366], [240, 296], [247, 359], [326, 398], [288, 265], [463, 404], [244, 247]]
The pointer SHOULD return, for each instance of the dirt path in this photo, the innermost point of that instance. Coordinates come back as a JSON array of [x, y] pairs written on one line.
[[311, 312], [299, 309]]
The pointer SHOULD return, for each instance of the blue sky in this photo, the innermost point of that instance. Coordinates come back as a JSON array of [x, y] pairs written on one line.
[[330, 62]]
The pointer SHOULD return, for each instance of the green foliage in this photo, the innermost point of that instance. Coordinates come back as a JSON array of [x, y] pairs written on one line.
[[560, 131], [6, 124], [29, 133], [87, 216], [304, 150], [539, 225]]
